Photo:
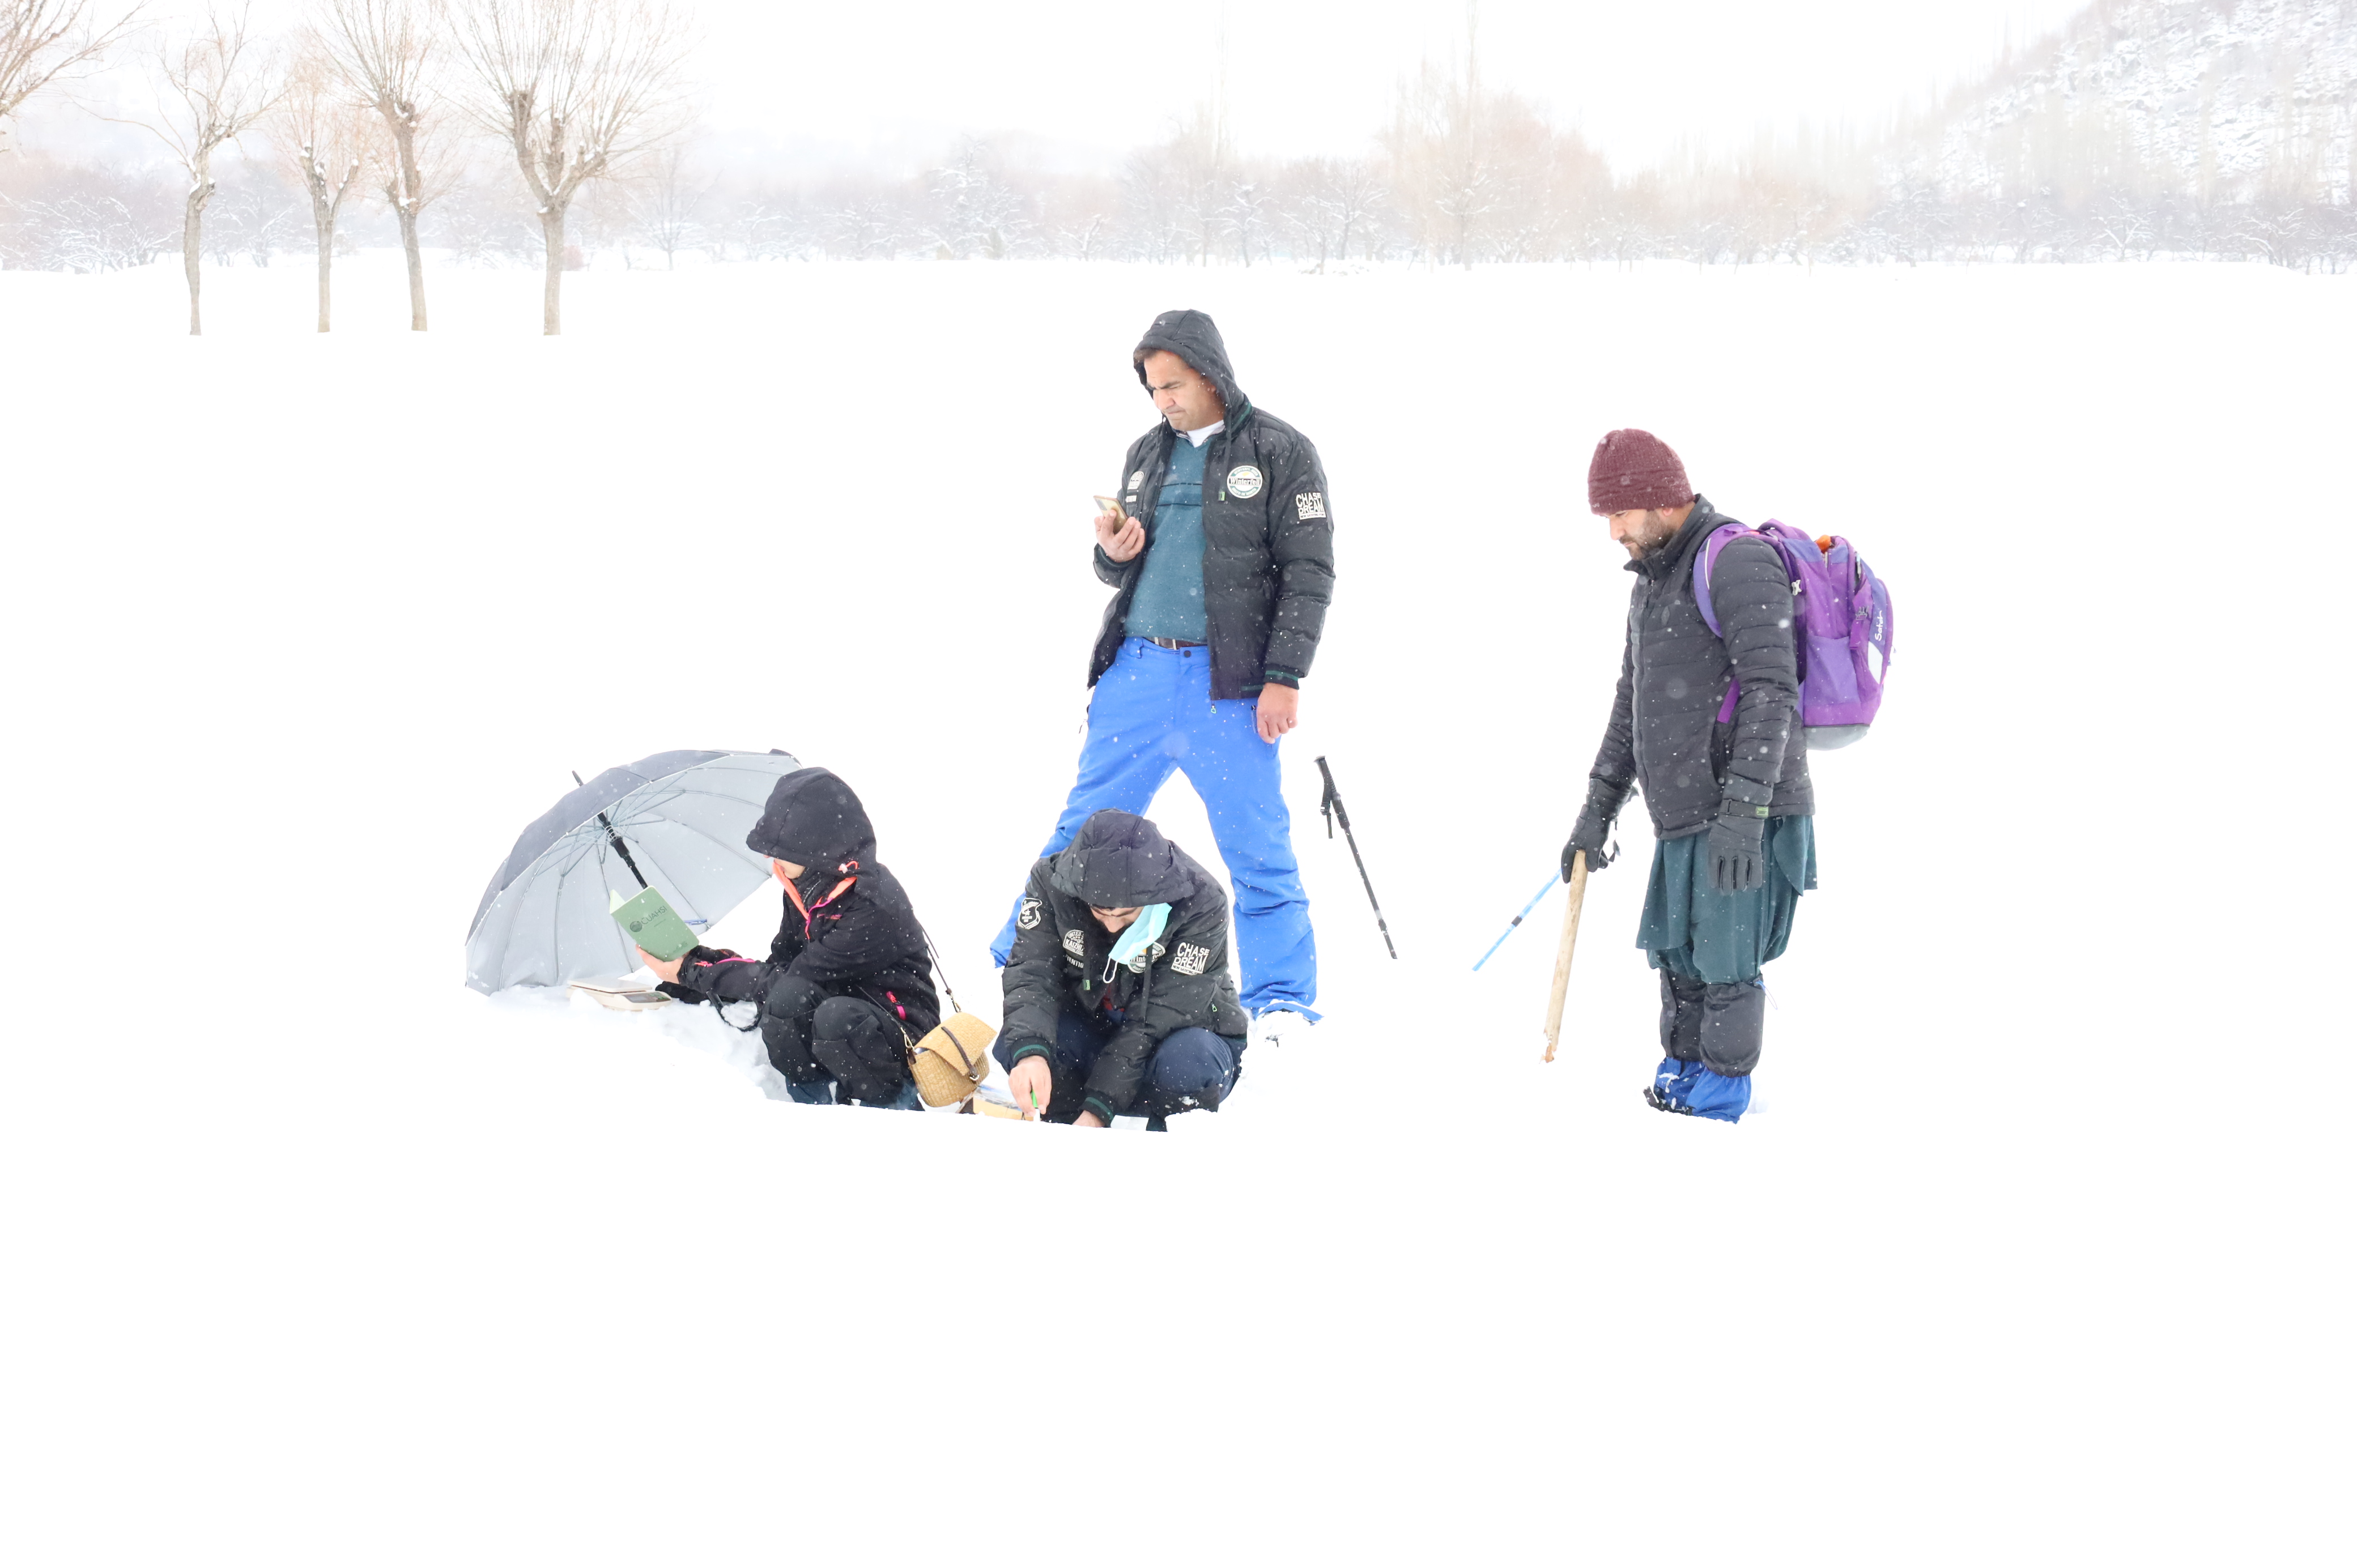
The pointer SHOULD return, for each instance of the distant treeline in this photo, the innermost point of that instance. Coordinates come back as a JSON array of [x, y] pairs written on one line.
[[1459, 175]]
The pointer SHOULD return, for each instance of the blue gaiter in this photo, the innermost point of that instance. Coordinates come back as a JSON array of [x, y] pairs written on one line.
[[1170, 598]]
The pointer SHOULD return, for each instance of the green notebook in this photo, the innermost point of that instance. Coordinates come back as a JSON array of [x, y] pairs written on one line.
[[650, 921]]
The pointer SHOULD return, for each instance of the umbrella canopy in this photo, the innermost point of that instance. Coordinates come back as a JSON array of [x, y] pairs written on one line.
[[682, 815]]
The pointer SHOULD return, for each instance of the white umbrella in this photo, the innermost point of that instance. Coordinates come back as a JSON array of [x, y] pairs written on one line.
[[675, 822]]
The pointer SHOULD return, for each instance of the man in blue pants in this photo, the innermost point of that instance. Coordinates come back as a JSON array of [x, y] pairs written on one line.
[[1221, 556]]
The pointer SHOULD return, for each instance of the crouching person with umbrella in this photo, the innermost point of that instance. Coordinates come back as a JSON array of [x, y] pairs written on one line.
[[847, 984], [1119, 998]]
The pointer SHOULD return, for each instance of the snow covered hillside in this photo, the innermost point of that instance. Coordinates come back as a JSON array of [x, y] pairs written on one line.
[[2221, 100], [2037, 1254]]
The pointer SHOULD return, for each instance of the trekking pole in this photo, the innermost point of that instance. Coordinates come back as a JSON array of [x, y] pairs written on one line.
[[1563, 953], [1330, 803], [1551, 881], [616, 840]]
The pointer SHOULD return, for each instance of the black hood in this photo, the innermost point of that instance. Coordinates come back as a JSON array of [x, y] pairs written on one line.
[[1121, 862], [1190, 335], [813, 820]]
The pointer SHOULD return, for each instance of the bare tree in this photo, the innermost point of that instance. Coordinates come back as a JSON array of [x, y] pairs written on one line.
[[210, 85], [43, 39], [327, 136], [971, 211], [391, 52], [1353, 195], [666, 204], [577, 89]]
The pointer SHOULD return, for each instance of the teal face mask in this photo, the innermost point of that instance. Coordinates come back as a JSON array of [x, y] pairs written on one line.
[[1134, 946]]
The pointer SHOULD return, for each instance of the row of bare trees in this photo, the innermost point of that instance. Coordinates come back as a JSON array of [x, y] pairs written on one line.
[[398, 100], [1550, 201], [1464, 173], [385, 92]]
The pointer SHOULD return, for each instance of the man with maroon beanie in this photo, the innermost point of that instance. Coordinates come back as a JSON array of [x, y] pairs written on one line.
[[1729, 798]]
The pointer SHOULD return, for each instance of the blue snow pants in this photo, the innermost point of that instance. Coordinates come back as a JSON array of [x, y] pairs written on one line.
[[1152, 715]]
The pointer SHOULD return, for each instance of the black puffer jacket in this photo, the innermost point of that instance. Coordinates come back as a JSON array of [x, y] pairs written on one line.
[[1664, 737], [1268, 540], [1061, 952], [860, 940]]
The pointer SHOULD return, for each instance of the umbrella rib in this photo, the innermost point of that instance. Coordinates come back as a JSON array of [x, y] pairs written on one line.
[[556, 922], [699, 833], [707, 838], [678, 790]]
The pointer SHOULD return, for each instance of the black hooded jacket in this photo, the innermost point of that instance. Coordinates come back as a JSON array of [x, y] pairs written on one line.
[[1664, 736], [861, 941], [1061, 953], [1268, 541]]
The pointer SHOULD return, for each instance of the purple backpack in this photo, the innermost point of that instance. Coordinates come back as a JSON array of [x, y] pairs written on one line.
[[1841, 628]]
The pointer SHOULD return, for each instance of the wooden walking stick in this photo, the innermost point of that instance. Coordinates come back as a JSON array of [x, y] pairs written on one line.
[[1563, 951]]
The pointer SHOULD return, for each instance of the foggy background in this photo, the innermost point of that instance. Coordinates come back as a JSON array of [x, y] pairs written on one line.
[[1307, 133]]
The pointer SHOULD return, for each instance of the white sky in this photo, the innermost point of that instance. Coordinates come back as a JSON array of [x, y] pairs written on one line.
[[1092, 78], [862, 82]]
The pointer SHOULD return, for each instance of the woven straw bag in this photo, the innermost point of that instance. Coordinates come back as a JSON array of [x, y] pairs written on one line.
[[951, 1061]]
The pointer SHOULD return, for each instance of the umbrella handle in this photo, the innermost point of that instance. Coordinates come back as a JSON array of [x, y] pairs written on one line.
[[616, 840], [622, 849]]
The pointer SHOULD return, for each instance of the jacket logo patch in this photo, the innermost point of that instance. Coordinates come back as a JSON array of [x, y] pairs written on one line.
[[1310, 504], [1190, 959], [1136, 481], [1244, 482], [1028, 918], [1074, 942]]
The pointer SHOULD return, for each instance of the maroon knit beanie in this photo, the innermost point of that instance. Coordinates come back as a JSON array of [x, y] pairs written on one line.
[[1635, 469]]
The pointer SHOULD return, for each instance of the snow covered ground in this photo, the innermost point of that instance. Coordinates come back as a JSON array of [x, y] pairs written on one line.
[[2040, 1251]]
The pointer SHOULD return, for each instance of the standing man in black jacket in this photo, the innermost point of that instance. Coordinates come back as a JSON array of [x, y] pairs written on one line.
[[1706, 725], [847, 983], [1221, 558]]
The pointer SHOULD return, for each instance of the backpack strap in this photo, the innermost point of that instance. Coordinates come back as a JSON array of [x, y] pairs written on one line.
[[1705, 559]]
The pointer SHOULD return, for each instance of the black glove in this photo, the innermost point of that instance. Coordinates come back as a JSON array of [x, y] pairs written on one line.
[[1737, 862], [698, 954], [1593, 828]]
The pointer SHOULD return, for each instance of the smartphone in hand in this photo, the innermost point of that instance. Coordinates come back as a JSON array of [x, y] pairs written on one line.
[[1113, 504]]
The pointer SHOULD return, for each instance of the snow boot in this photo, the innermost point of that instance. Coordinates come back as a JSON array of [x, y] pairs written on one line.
[[1275, 1025], [1673, 1079], [1700, 1092]]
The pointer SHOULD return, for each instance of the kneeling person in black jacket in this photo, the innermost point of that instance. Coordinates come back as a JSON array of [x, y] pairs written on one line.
[[847, 984], [1119, 999]]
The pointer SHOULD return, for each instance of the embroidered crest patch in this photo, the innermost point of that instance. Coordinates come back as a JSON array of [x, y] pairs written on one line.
[[1028, 917], [1190, 959], [1244, 482], [1310, 504], [1136, 480], [1075, 943]]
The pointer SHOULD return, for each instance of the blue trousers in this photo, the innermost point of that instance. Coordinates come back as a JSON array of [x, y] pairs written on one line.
[[1152, 715], [1191, 1070]]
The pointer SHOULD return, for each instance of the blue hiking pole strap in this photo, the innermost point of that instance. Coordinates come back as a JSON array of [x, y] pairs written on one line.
[[1552, 878]]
